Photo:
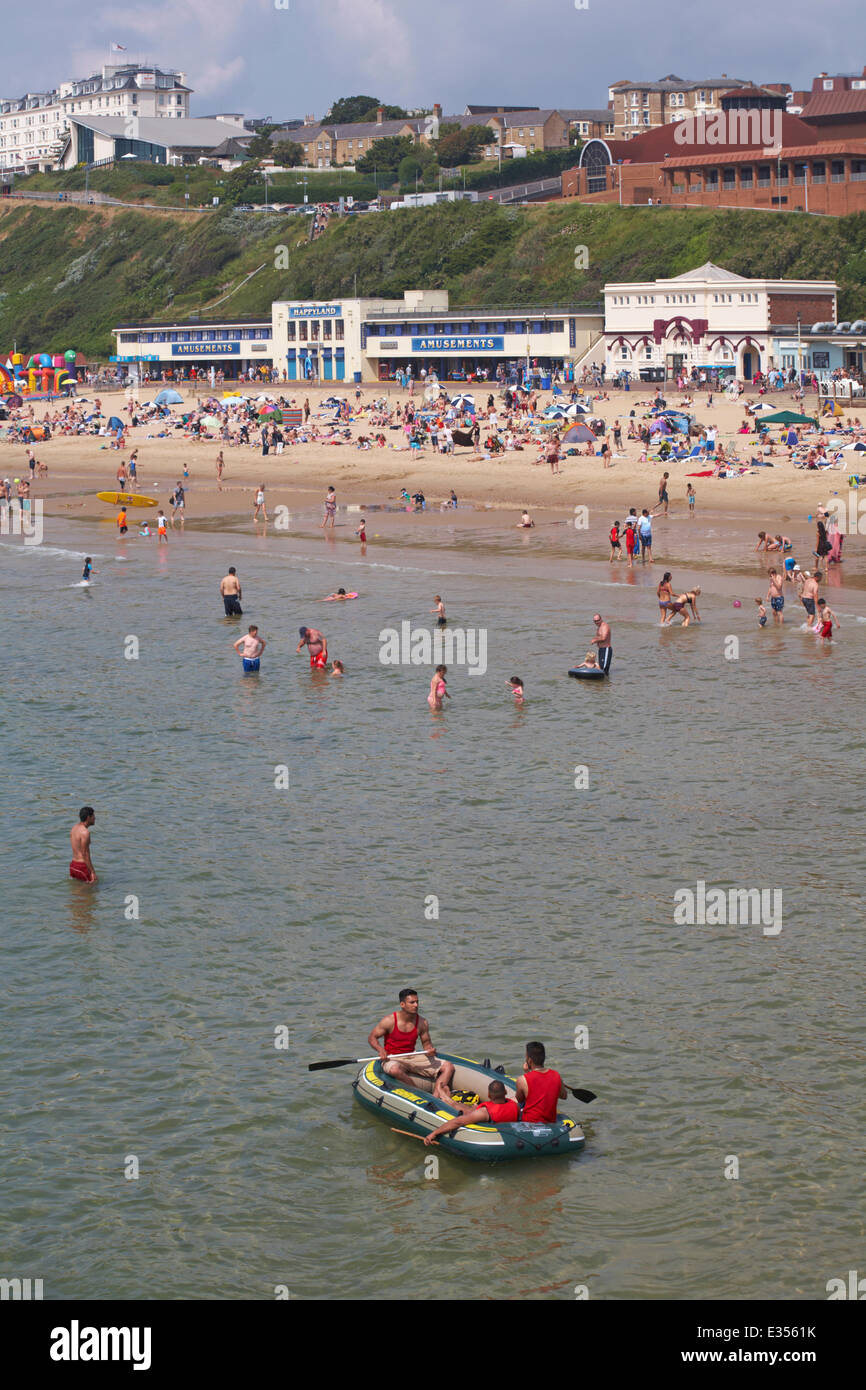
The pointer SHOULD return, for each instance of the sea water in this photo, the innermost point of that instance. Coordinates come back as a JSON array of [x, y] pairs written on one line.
[[278, 855]]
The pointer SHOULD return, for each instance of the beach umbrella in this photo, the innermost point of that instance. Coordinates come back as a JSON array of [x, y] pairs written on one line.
[[578, 434], [464, 401], [168, 397], [233, 400], [211, 422], [859, 446], [761, 406]]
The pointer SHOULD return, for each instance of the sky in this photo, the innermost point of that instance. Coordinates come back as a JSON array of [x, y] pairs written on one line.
[[289, 58]]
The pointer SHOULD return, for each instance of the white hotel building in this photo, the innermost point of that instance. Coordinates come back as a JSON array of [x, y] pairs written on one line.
[[707, 318], [34, 129]]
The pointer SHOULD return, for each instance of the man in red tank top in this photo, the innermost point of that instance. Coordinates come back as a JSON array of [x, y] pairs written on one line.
[[540, 1087], [496, 1110], [403, 1031]]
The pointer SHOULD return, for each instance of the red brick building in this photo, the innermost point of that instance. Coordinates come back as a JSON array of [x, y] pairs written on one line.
[[836, 107], [673, 167]]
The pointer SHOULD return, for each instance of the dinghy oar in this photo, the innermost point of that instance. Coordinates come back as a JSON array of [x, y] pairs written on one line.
[[410, 1135], [585, 1096], [356, 1061]]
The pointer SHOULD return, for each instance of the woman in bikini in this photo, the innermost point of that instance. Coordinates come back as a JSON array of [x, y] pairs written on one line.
[[665, 597]]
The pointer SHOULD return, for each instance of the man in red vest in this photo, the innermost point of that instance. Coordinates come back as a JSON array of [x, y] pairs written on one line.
[[540, 1087], [402, 1030], [496, 1110]]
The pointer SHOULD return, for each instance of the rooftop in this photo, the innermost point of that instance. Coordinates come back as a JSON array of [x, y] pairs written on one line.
[[175, 131]]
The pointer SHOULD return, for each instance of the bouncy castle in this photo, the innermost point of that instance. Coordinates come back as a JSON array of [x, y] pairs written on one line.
[[42, 375]]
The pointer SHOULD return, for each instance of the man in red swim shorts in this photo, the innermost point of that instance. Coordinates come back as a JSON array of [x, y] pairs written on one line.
[[81, 866], [317, 644]]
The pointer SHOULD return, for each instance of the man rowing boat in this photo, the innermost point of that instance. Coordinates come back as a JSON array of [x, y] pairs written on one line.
[[401, 1031], [540, 1087]]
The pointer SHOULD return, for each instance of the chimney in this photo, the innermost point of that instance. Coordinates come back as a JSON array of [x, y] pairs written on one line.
[[437, 110], [380, 114]]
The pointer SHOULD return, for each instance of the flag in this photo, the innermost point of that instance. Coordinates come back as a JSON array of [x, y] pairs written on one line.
[[118, 48]]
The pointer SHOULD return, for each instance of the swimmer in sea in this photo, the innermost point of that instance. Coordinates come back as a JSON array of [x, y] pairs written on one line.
[[516, 685], [337, 669], [88, 570], [438, 688], [682, 602], [250, 649], [317, 644], [81, 865], [525, 522], [826, 617], [775, 595], [589, 663], [230, 588], [665, 597], [340, 594], [440, 609]]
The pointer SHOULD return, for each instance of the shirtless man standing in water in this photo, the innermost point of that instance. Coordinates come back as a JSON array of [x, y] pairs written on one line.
[[602, 641], [317, 643], [401, 1032], [81, 866]]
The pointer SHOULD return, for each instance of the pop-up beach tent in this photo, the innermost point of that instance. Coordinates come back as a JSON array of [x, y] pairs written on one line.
[[578, 434], [787, 417]]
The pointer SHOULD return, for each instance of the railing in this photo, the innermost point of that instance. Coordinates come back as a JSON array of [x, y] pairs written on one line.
[[859, 177], [837, 178], [763, 183], [819, 178], [800, 179]]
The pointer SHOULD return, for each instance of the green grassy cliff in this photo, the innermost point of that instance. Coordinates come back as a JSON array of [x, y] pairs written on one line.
[[69, 274]]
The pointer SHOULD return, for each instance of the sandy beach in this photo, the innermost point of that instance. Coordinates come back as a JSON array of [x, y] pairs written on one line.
[[491, 492]]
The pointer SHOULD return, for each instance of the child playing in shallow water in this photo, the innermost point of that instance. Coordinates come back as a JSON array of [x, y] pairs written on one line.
[[590, 662], [762, 613], [337, 669], [516, 685]]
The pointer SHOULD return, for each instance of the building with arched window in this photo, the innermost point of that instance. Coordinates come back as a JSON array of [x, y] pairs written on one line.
[[708, 318]]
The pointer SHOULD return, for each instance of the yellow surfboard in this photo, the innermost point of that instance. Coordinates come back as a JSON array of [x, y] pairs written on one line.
[[127, 499]]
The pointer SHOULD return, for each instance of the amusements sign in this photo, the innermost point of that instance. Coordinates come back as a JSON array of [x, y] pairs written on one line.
[[205, 349], [458, 344]]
